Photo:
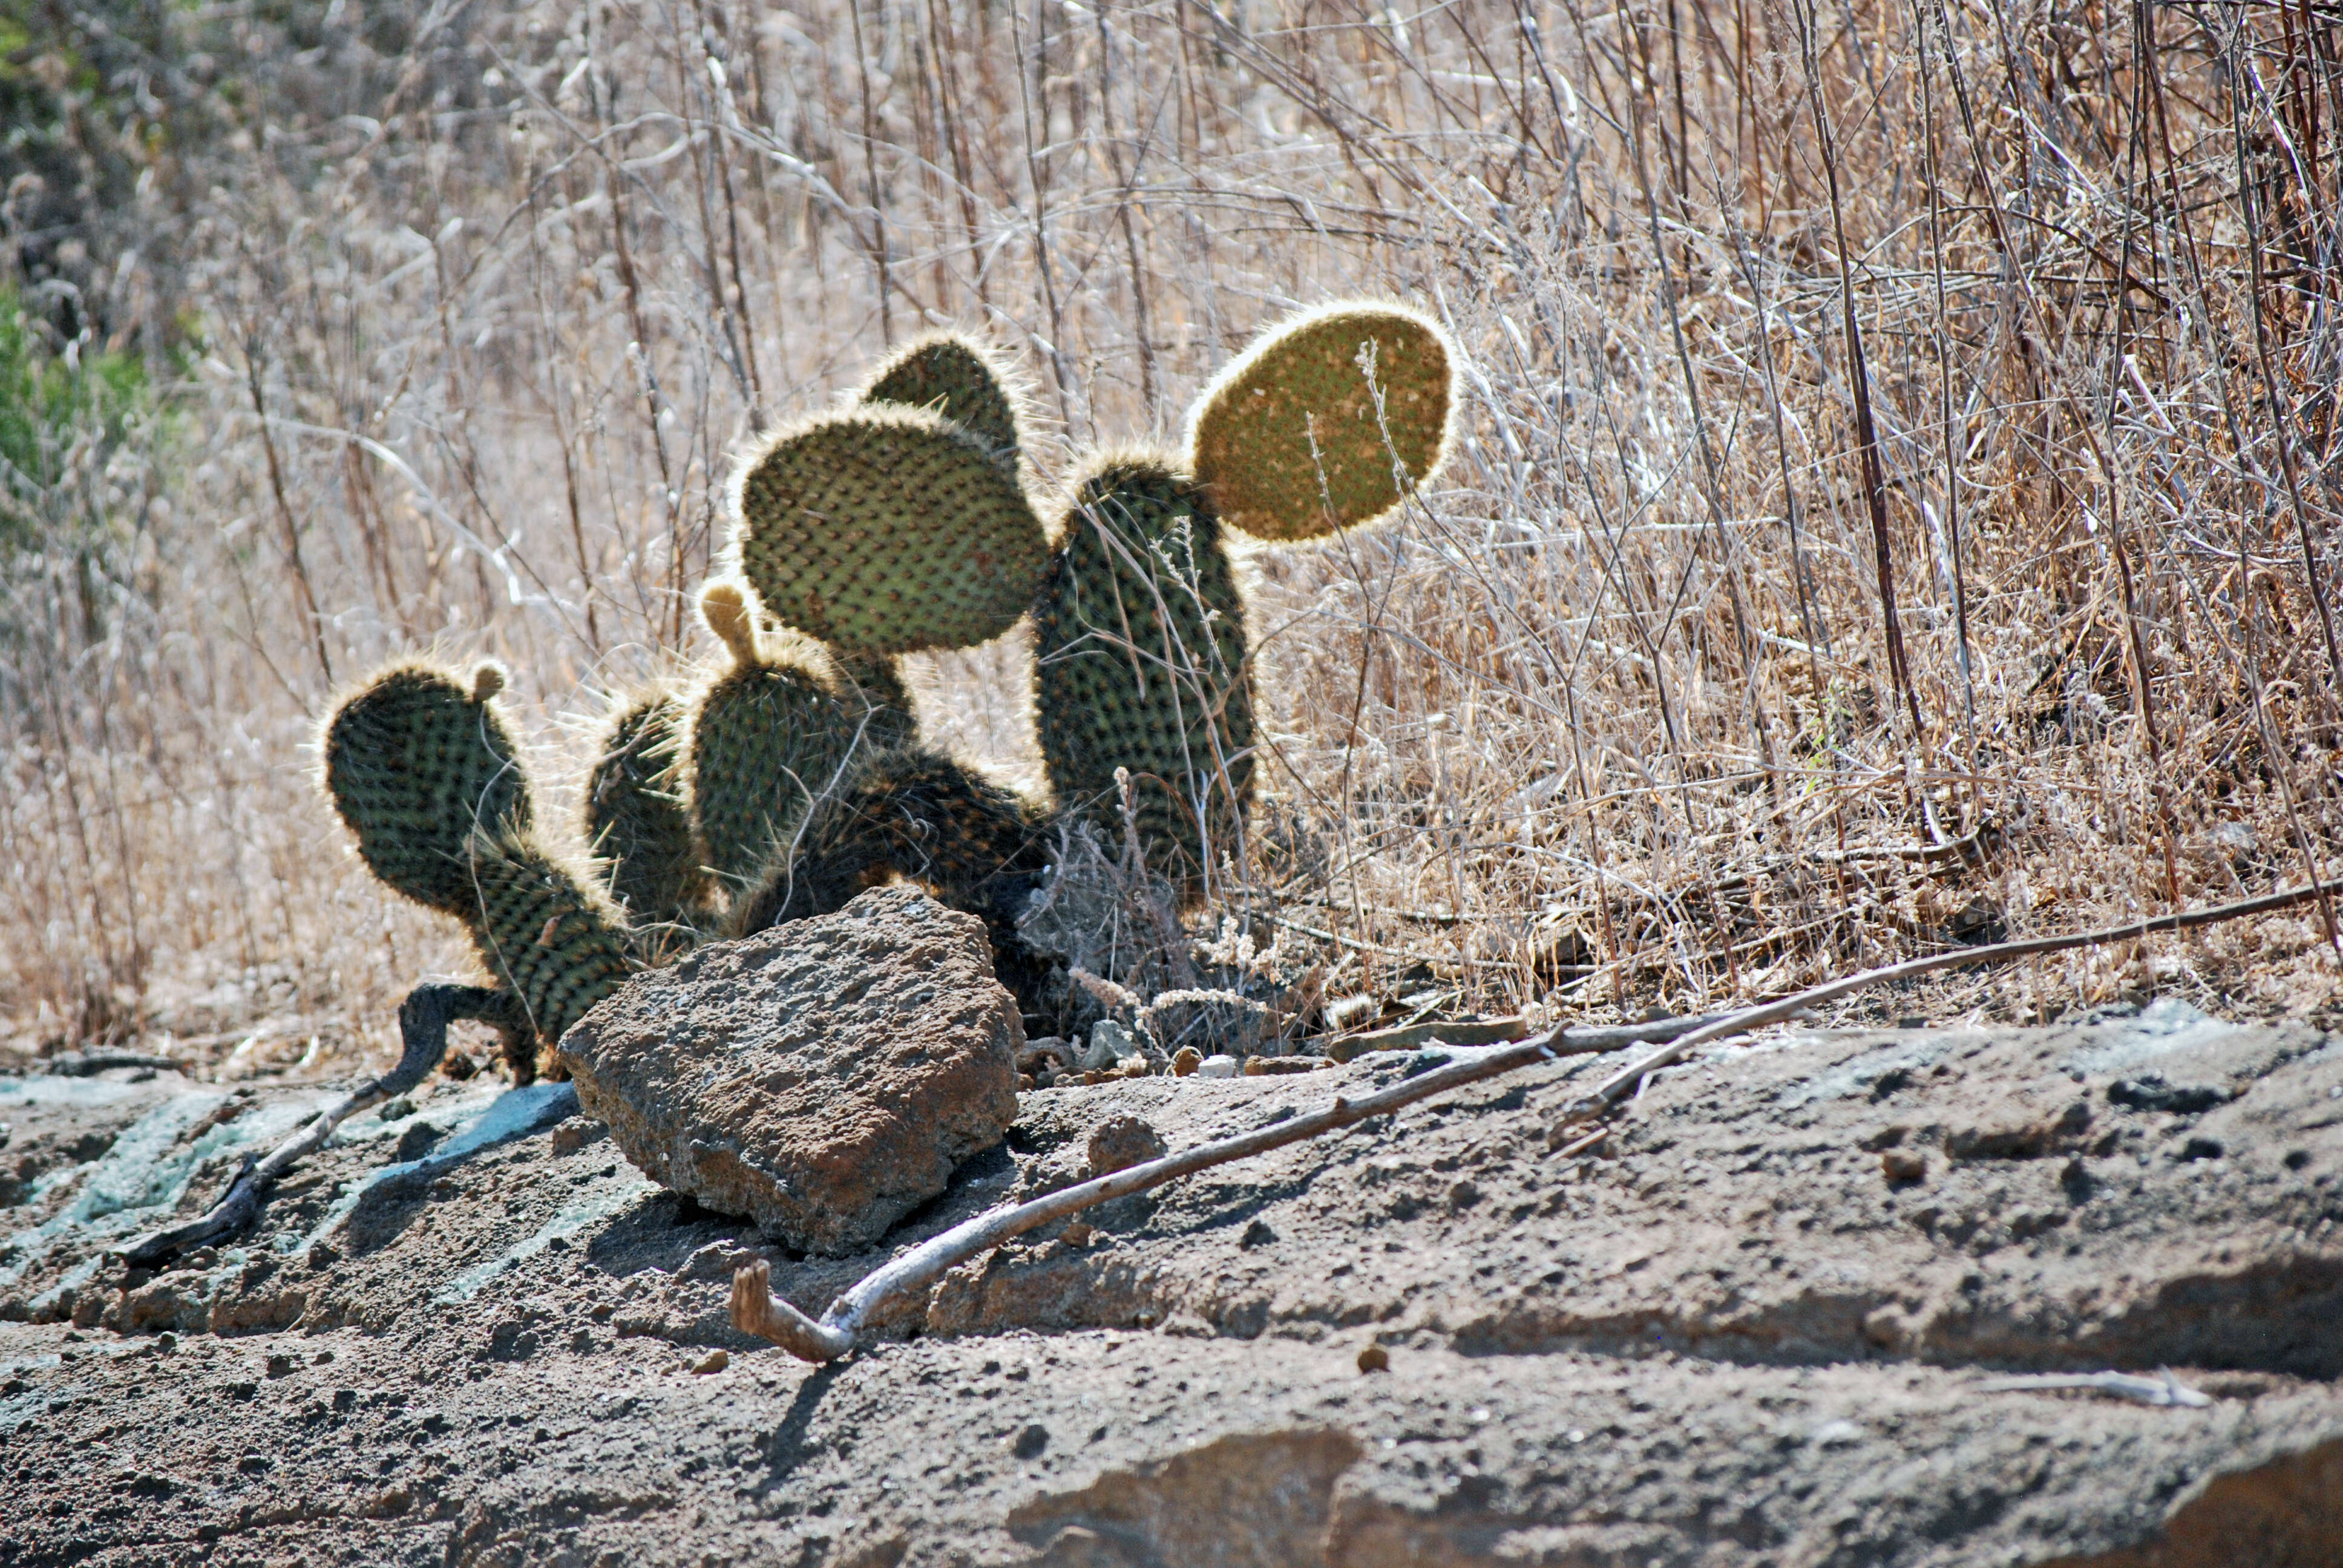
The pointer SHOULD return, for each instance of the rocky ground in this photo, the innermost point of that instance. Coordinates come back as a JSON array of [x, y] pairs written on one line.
[[1757, 1327]]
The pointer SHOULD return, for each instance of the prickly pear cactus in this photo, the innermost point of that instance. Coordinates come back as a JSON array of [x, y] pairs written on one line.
[[416, 762], [423, 770], [959, 379], [768, 737], [544, 932], [1142, 664], [917, 814], [1310, 429], [886, 530], [637, 825]]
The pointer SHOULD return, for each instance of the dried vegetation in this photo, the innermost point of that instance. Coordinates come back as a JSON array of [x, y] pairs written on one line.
[[1897, 502]]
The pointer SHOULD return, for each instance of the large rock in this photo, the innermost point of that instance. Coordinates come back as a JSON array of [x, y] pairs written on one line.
[[822, 1077]]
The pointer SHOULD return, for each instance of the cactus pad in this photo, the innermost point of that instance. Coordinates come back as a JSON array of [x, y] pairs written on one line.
[[543, 932], [957, 379], [917, 814], [766, 737], [1142, 665], [1288, 442], [416, 762], [635, 818], [888, 529]]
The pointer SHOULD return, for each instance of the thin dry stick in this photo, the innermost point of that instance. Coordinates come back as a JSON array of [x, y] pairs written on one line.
[[423, 1020], [1858, 375], [757, 1310]]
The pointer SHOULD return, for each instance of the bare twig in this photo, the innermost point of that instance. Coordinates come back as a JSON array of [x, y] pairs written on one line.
[[757, 1310], [2163, 1389], [422, 1020]]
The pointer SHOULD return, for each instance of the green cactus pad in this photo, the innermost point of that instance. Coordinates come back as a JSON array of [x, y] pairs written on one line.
[[959, 379], [1252, 437], [1142, 664], [635, 818], [886, 530], [919, 815], [766, 737], [543, 932], [416, 762]]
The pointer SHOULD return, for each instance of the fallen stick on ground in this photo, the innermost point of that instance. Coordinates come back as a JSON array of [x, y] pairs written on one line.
[[1610, 1089], [422, 1020], [757, 1310], [85, 1063], [2162, 1390]]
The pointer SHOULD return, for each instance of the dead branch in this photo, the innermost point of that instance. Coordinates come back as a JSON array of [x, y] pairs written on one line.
[[754, 1309], [422, 1020]]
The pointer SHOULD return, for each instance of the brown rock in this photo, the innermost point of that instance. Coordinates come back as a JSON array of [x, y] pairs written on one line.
[[1122, 1143], [822, 1077], [1903, 1165]]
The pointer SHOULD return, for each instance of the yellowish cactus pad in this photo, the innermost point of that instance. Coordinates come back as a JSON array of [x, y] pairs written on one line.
[[1290, 442]]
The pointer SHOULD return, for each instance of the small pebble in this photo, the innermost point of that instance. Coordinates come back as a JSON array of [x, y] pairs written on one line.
[[1185, 1061], [1903, 1165], [1374, 1359], [714, 1362], [1217, 1067]]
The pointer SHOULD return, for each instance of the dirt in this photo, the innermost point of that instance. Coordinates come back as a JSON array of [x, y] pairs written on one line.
[[1750, 1328]]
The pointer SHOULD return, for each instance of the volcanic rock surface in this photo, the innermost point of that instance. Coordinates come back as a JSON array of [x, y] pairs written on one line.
[[1740, 1334], [822, 1077]]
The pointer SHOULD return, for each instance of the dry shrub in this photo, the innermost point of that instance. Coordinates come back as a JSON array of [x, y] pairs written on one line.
[[474, 306]]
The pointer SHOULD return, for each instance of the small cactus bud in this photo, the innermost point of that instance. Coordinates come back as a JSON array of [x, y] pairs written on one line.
[[725, 608]]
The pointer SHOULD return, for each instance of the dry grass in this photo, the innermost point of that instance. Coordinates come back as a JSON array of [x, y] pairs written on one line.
[[1616, 719]]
